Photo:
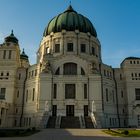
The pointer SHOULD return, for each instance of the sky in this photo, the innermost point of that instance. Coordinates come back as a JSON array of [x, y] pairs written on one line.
[[117, 23]]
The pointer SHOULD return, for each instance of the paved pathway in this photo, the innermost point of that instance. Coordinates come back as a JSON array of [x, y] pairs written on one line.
[[70, 134]]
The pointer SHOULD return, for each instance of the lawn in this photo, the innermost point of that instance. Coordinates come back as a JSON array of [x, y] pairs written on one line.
[[123, 132]]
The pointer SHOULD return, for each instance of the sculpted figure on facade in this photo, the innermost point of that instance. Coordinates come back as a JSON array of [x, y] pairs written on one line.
[[46, 67], [93, 68]]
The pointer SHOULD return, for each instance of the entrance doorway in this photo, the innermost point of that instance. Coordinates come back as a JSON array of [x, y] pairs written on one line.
[[70, 110], [85, 110], [54, 110]]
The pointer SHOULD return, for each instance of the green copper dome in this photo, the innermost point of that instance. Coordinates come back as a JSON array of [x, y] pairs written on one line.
[[70, 20]]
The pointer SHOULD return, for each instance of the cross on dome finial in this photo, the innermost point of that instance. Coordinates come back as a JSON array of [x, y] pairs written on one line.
[[70, 8]]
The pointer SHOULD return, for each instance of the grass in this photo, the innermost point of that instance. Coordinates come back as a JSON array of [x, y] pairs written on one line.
[[123, 132], [17, 132]]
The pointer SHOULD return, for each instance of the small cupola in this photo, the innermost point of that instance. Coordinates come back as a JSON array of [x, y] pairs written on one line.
[[11, 38], [23, 55]]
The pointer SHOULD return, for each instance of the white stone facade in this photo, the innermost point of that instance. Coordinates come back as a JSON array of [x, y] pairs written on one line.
[[29, 94]]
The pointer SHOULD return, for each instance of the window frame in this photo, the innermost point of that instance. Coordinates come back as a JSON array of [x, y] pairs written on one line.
[[83, 48], [57, 48], [70, 91], [2, 93], [137, 94], [70, 47]]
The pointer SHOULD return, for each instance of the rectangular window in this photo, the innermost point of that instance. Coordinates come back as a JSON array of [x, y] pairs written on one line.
[[104, 72], [2, 111], [137, 93], [106, 94], [2, 93], [33, 97], [110, 74], [4, 54], [70, 47], [110, 121], [85, 91], [113, 96], [29, 74], [120, 77], [1, 73], [10, 54], [29, 121], [32, 73], [35, 72], [93, 51], [54, 110], [17, 93], [122, 94], [57, 48], [15, 122], [55, 91], [138, 120], [16, 110], [83, 48], [19, 76], [70, 91]]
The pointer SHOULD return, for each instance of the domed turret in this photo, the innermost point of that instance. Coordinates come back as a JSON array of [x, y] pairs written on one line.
[[70, 20], [23, 55], [24, 60], [11, 38]]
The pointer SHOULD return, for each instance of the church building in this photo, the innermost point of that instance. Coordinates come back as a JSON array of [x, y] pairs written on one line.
[[69, 86]]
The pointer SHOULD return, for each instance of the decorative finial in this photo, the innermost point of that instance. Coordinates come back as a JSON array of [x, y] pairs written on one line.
[[23, 51], [70, 2], [12, 32]]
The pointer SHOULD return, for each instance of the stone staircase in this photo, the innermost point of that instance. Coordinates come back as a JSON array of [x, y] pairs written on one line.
[[70, 122], [51, 122], [88, 122], [44, 120]]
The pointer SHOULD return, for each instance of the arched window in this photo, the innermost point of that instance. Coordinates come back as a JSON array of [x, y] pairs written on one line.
[[70, 69], [93, 51]]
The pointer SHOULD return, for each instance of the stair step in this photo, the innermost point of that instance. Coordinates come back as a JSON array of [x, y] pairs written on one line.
[[51, 122], [70, 122], [88, 122]]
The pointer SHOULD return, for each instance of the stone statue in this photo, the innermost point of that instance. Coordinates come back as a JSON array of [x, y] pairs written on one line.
[[93, 68], [46, 67]]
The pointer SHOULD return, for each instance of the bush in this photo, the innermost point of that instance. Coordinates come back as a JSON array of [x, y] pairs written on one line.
[[28, 130], [17, 132], [126, 132], [2, 134], [33, 128]]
